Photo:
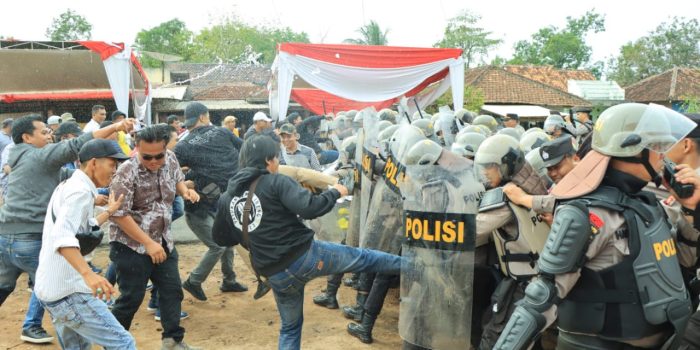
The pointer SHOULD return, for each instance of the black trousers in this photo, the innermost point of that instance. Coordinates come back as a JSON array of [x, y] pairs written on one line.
[[133, 272], [380, 287]]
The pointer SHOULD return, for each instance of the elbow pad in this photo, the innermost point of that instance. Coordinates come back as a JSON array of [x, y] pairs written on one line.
[[567, 241]]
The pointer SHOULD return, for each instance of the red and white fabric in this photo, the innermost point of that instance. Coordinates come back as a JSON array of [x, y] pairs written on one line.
[[370, 75]]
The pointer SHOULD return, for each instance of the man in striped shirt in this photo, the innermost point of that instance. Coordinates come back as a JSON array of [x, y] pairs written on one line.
[[296, 154], [65, 284]]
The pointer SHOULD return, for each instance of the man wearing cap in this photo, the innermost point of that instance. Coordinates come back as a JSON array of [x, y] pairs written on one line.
[[211, 153], [262, 124], [36, 167], [230, 124], [54, 122], [67, 117], [99, 114], [559, 158], [65, 284], [610, 269], [512, 120], [296, 154]]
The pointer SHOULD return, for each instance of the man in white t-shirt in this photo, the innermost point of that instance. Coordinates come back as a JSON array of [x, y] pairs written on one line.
[[65, 284], [99, 114]]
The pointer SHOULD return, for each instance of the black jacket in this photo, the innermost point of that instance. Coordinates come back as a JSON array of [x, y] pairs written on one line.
[[278, 236]]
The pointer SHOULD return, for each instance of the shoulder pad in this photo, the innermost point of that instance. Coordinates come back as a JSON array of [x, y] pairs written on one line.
[[568, 239], [492, 199]]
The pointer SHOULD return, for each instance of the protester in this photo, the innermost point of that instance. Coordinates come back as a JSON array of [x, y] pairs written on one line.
[[211, 154], [141, 242], [296, 154], [282, 247], [65, 284], [54, 122], [230, 124], [262, 124], [99, 114], [36, 167]]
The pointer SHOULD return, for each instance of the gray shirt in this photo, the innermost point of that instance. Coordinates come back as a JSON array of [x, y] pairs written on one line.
[[303, 157], [35, 175]]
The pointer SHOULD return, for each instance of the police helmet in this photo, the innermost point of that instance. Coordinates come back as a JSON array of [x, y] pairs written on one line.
[[473, 128], [532, 130], [387, 114], [426, 152], [467, 144], [510, 132], [464, 115], [533, 140], [417, 115], [502, 151], [487, 121], [403, 138], [383, 125], [534, 158], [348, 147], [384, 136], [425, 125], [553, 123]]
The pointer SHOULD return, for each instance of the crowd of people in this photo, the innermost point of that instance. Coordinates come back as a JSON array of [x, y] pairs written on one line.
[[501, 234]]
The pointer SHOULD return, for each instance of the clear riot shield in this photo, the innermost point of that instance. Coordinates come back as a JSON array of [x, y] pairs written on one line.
[[383, 229], [333, 226], [366, 157], [440, 207]]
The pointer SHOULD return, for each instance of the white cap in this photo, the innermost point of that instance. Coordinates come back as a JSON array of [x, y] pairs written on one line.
[[261, 116], [54, 120]]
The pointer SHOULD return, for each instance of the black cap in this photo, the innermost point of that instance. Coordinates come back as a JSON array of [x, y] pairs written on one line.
[[512, 116], [288, 129], [583, 109], [695, 117], [192, 113], [552, 152], [68, 128], [117, 114], [101, 148]]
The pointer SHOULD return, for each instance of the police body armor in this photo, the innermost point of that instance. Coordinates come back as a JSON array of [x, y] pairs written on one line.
[[440, 207], [642, 295], [517, 256]]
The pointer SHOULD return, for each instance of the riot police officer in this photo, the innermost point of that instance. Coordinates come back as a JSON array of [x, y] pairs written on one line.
[[610, 267]]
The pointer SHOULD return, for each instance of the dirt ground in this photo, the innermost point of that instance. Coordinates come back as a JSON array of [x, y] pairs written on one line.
[[226, 320]]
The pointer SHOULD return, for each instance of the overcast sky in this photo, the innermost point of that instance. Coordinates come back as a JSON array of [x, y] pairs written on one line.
[[410, 22]]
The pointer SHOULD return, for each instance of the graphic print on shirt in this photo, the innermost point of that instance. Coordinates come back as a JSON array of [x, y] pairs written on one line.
[[236, 208]]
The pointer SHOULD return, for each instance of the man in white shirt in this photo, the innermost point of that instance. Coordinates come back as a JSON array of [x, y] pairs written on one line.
[[66, 286], [99, 114]]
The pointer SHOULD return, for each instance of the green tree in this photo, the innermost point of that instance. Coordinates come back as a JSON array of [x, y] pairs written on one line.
[[564, 48], [473, 100], [669, 45], [691, 104], [371, 34], [462, 32], [237, 42], [69, 26], [171, 37]]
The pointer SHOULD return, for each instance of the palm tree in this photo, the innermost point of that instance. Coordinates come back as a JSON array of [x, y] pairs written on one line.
[[371, 35]]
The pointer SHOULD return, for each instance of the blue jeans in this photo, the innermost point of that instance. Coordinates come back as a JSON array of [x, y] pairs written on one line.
[[20, 253], [321, 259], [80, 320], [328, 156]]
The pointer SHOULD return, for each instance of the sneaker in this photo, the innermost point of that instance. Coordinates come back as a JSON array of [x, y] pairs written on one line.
[[194, 289], [152, 305], [36, 335], [183, 315], [94, 268], [233, 287], [171, 344]]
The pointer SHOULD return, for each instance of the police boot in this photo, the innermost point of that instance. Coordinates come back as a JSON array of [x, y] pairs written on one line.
[[352, 281], [363, 331], [355, 312], [328, 298]]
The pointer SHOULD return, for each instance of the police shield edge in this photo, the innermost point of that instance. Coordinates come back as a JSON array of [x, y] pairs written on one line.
[[439, 238], [367, 149]]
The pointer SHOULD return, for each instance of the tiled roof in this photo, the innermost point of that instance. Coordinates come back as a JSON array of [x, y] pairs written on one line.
[[672, 85], [227, 82], [549, 75], [231, 92], [501, 86]]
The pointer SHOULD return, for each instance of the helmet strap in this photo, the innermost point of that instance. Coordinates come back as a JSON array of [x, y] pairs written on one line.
[[644, 160]]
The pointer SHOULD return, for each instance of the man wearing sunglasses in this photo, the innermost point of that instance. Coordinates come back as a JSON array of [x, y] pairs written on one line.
[[141, 242]]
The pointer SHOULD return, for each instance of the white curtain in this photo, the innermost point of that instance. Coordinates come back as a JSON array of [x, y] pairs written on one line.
[[118, 69], [355, 83]]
